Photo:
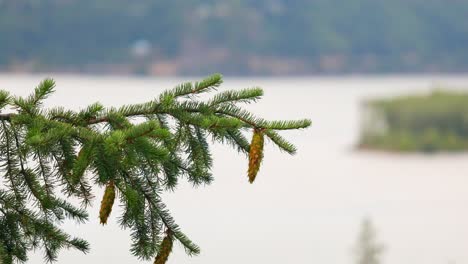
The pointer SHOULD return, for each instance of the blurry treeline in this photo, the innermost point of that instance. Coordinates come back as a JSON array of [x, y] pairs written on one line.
[[430, 122], [234, 37]]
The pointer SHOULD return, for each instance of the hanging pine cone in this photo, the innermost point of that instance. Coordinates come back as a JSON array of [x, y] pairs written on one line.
[[165, 250], [107, 202], [255, 154]]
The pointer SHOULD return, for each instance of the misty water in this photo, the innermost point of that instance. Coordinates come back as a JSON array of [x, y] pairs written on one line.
[[302, 209]]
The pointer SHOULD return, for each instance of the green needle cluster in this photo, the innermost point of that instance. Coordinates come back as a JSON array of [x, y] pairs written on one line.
[[138, 151]]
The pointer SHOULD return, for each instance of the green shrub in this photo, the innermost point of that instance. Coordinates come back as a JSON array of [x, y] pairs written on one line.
[[429, 122]]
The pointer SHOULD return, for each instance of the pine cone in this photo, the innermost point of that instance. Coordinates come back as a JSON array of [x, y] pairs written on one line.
[[107, 202], [255, 154], [165, 250]]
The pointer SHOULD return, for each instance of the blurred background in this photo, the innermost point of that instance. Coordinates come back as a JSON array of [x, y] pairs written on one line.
[[241, 37], [380, 177]]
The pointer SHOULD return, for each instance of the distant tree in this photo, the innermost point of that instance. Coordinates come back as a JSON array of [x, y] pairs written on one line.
[[135, 152], [368, 250]]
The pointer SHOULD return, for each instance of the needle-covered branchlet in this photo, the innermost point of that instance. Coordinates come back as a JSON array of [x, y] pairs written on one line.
[[51, 157]]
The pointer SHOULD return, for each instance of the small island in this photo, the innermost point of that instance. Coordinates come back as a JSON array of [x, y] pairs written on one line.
[[431, 122]]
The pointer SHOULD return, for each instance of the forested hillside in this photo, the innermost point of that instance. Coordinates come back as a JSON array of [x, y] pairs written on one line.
[[236, 37]]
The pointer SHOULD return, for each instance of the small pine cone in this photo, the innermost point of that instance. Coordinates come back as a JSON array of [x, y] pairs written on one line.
[[255, 154], [107, 202], [165, 250]]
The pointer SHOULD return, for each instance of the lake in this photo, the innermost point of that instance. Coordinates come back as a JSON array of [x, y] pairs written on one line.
[[302, 209]]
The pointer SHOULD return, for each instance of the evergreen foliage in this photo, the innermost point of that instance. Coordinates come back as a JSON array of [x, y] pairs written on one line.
[[135, 151]]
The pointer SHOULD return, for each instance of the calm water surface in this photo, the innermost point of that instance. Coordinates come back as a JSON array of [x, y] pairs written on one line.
[[302, 209]]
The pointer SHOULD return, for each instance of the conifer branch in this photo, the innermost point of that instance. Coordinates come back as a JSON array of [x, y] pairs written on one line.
[[46, 150]]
